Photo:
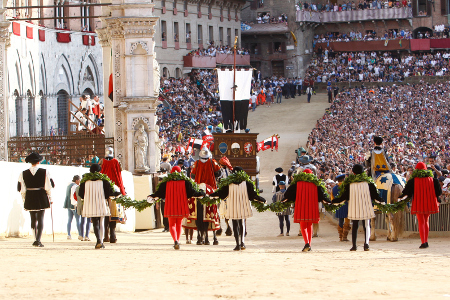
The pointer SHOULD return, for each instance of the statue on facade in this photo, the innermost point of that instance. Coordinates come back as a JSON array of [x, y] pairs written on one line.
[[140, 142], [156, 78], [158, 146]]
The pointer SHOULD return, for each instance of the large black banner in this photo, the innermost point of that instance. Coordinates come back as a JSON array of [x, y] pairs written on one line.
[[240, 114]]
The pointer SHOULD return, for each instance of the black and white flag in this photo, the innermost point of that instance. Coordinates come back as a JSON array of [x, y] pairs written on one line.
[[242, 96]]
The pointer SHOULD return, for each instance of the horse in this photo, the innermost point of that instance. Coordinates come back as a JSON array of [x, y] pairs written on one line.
[[390, 187]]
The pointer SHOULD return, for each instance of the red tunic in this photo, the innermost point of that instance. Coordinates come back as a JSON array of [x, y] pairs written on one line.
[[111, 168], [306, 203], [424, 201], [204, 172], [176, 205]]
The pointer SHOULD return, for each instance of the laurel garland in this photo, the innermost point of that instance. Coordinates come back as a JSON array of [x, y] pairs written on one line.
[[236, 178], [127, 202], [383, 207], [177, 176], [421, 174], [96, 176]]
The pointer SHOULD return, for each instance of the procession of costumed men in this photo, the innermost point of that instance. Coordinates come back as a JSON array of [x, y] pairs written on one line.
[[101, 196]]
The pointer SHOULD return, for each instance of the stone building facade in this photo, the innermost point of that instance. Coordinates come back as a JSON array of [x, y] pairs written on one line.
[[49, 63], [186, 25]]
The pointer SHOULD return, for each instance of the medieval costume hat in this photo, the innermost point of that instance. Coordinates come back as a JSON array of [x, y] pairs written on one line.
[[95, 168], [282, 183], [308, 171], [421, 166], [109, 152], [340, 177], [33, 158], [279, 170], [224, 161], [357, 169], [205, 153], [378, 140], [305, 159], [176, 169]]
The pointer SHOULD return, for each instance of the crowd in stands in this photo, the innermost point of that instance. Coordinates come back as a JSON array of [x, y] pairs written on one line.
[[360, 36], [351, 5], [90, 115], [376, 66], [190, 105], [213, 50], [412, 119]]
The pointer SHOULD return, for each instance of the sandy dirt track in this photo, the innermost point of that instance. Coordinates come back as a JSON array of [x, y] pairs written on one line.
[[144, 265]]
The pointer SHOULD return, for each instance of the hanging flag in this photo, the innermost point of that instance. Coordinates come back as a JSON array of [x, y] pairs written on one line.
[[386, 42], [400, 42], [242, 95], [269, 143], [110, 86]]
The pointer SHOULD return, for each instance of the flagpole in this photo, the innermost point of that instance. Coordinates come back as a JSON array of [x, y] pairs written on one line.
[[234, 77]]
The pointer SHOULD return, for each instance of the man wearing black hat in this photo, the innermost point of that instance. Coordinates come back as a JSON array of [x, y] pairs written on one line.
[[96, 191], [35, 185], [377, 160], [278, 178], [359, 194]]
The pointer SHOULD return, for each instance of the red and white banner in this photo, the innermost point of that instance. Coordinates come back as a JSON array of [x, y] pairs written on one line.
[[269, 143]]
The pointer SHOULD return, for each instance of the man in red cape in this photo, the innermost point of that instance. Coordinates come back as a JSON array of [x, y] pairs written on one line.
[[424, 192], [306, 196], [111, 168], [205, 170], [176, 194]]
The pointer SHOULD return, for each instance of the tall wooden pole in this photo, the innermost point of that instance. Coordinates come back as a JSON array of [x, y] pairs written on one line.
[[234, 77]]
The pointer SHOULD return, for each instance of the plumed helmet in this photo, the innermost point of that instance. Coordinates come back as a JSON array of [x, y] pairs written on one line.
[[109, 152], [205, 154]]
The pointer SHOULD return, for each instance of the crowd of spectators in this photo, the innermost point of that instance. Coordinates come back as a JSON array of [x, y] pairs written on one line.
[[370, 35], [190, 105], [213, 50], [376, 66], [351, 5], [412, 119]]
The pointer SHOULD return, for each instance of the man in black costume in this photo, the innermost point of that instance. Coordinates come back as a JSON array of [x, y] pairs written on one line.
[[35, 185]]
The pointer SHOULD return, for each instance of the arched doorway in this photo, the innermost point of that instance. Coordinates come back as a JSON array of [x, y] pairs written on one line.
[[31, 114], [63, 112], [19, 113], [43, 116], [88, 92], [166, 72], [421, 32]]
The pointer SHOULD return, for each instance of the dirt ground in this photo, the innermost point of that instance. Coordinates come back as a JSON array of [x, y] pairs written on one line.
[[144, 265]]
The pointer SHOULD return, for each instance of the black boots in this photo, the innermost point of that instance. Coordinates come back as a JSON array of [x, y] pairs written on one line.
[[424, 245], [307, 248], [176, 246]]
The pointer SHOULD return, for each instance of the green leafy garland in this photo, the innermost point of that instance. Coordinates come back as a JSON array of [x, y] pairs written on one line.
[[306, 177], [401, 205], [96, 176], [209, 201], [383, 207], [237, 178], [421, 174], [127, 202], [176, 176]]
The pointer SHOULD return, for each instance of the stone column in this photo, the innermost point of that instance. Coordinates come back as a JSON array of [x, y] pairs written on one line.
[[105, 42], [130, 30], [4, 43]]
